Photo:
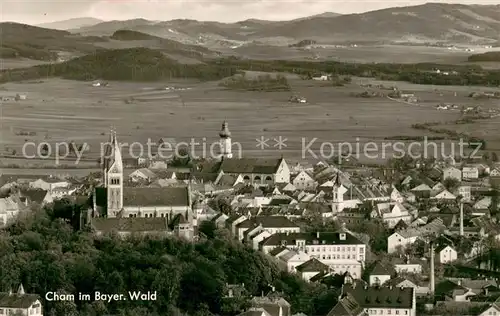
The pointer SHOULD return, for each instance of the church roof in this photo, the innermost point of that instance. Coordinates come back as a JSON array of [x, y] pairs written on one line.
[[137, 224], [250, 165], [166, 196]]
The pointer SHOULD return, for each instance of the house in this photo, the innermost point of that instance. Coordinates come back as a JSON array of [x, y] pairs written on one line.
[[20, 303], [291, 259], [452, 173], [37, 196], [491, 310], [465, 191], [9, 209], [383, 300], [421, 289], [422, 190], [255, 311], [310, 268], [347, 306], [340, 250], [380, 274], [444, 195], [392, 212], [407, 237], [49, 183], [470, 172], [448, 290], [272, 224], [407, 266], [273, 303], [304, 181], [446, 254], [142, 175]]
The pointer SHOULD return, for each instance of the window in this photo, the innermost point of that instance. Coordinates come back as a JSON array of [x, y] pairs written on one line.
[[397, 312]]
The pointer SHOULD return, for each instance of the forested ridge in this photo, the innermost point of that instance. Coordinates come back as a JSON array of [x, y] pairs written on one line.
[[45, 252]]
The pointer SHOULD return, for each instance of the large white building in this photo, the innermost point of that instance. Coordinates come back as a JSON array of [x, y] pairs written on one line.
[[20, 303], [340, 250]]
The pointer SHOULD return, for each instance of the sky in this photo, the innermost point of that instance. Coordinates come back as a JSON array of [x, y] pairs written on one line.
[[42, 11]]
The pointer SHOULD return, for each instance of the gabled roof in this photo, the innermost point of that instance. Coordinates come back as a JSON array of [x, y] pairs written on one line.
[[15, 300], [381, 297], [422, 187], [313, 265], [250, 165], [34, 195], [267, 221], [166, 196], [347, 306], [382, 269]]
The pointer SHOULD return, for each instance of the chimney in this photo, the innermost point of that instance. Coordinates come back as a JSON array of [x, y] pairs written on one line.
[[461, 218], [317, 235], [459, 281], [10, 292], [431, 276]]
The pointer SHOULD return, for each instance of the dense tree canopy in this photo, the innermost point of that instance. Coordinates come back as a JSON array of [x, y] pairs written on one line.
[[46, 253]]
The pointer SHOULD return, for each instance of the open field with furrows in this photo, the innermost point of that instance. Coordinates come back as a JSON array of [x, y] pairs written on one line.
[[62, 111]]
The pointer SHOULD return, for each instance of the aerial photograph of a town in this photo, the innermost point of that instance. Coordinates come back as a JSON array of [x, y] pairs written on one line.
[[249, 158]]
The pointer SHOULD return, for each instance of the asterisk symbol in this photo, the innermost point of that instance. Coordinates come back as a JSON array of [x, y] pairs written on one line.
[[262, 142], [280, 142]]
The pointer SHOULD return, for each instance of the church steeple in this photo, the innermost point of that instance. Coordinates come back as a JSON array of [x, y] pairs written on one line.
[[225, 141], [337, 195], [113, 175], [20, 291]]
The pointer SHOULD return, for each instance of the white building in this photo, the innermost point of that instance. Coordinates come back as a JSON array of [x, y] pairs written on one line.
[[246, 230], [225, 141], [470, 173], [452, 173], [292, 259], [393, 212], [20, 303], [49, 183], [341, 251], [446, 254], [407, 237], [304, 181]]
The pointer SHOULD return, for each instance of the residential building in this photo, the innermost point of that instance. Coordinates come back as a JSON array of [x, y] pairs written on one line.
[[49, 183], [380, 274], [311, 268], [292, 259], [470, 172], [304, 181], [384, 301], [393, 212], [273, 303], [407, 237], [20, 303], [347, 306], [9, 209], [446, 254], [249, 228], [452, 173], [341, 251]]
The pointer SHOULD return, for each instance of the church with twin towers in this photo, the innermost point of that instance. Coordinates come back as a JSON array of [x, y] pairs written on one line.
[[118, 207]]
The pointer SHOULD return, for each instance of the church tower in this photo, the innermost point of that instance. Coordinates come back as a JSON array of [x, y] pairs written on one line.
[[338, 196], [113, 176], [225, 141]]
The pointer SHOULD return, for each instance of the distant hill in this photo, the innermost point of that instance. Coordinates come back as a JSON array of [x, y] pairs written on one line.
[[135, 64], [165, 45], [485, 57], [71, 23], [428, 22], [21, 40]]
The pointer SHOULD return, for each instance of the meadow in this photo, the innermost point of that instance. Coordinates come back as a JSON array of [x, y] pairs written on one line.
[[59, 110]]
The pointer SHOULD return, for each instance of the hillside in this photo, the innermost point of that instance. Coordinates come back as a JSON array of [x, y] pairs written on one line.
[[21, 40], [133, 64], [139, 39], [71, 23], [429, 22], [423, 23], [485, 57]]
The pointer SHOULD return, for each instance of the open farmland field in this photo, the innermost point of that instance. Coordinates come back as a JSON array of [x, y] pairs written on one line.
[[62, 111], [360, 54]]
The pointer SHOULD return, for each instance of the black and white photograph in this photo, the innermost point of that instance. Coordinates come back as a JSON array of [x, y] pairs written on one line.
[[249, 158]]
